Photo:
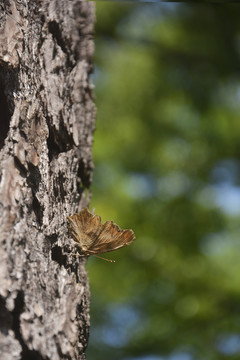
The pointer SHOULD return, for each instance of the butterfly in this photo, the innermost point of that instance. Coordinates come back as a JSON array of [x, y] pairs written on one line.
[[93, 237]]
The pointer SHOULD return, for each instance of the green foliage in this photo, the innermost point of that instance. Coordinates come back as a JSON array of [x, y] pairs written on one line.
[[167, 165]]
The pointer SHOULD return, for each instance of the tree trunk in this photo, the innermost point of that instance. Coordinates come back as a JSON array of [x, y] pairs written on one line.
[[46, 128]]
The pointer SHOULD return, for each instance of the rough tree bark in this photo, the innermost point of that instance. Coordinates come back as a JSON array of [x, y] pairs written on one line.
[[46, 128]]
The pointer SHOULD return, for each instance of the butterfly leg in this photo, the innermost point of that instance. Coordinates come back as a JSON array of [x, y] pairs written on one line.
[[79, 255]]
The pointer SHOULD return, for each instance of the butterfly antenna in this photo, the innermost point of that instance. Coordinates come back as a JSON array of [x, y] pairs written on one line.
[[100, 257]]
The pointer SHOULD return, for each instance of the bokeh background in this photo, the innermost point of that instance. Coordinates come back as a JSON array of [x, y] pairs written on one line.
[[167, 165]]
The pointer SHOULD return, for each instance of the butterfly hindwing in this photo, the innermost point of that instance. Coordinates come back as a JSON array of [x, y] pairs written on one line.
[[85, 228]]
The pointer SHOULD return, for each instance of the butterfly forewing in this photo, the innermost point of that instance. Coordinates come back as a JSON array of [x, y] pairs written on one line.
[[93, 237], [112, 238]]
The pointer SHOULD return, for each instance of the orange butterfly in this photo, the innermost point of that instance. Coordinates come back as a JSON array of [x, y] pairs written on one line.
[[93, 237]]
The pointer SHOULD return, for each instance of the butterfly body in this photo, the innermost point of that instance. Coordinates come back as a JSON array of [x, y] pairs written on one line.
[[93, 237]]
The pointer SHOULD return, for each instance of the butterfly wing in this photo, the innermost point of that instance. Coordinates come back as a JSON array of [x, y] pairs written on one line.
[[110, 238], [85, 228]]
